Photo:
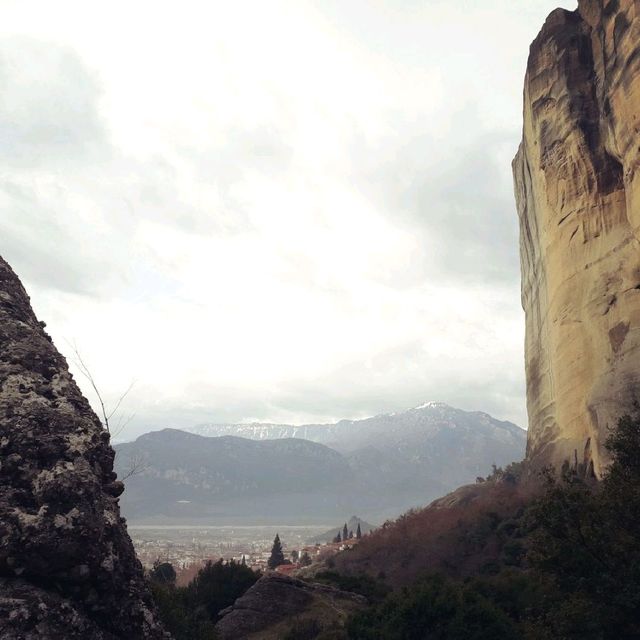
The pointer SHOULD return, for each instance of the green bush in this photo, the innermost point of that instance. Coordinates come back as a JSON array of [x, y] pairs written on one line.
[[217, 586], [569, 566], [162, 572], [308, 629], [372, 589], [191, 612], [435, 608]]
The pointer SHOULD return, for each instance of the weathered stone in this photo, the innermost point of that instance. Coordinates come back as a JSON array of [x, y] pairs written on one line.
[[276, 598], [577, 188], [66, 560]]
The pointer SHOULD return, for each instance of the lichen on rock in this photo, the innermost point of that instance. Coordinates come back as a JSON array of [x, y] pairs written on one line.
[[66, 560]]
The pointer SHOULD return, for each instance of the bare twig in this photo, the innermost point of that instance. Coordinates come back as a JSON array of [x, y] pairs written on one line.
[[106, 415], [122, 397], [136, 466], [122, 424]]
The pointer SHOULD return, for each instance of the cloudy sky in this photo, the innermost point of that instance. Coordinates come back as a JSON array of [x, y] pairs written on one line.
[[285, 211]]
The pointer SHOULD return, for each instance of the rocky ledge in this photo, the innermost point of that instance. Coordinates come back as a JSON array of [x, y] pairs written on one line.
[[267, 609]]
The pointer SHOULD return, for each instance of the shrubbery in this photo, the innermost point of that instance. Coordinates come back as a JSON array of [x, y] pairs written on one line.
[[191, 612], [569, 567], [308, 629], [372, 589]]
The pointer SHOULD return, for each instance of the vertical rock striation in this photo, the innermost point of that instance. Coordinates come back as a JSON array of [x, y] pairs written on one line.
[[577, 188], [67, 565]]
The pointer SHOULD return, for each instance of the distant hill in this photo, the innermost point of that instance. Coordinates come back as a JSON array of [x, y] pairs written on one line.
[[352, 525], [376, 467], [439, 443], [189, 477]]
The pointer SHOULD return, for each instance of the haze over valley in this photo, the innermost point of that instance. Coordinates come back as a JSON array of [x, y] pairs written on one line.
[[376, 467]]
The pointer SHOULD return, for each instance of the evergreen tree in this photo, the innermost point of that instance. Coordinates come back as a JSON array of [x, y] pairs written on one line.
[[358, 532], [191, 612], [337, 538], [163, 573], [305, 559], [295, 555], [351, 535], [345, 532], [277, 556]]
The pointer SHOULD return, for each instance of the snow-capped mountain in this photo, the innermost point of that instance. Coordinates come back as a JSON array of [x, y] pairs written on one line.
[[399, 430], [400, 459], [377, 467], [265, 431]]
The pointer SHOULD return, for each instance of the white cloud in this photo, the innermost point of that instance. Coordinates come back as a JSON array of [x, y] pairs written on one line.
[[271, 210]]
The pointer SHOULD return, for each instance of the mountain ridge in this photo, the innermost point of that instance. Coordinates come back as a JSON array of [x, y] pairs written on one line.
[[271, 430], [378, 467]]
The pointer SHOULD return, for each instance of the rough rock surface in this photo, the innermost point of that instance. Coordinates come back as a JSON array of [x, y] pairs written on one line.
[[275, 600], [67, 565], [577, 189]]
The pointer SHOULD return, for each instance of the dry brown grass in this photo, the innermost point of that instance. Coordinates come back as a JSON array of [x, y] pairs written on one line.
[[457, 535]]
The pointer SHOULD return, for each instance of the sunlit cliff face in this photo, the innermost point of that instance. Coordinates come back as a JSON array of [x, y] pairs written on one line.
[[579, 204]]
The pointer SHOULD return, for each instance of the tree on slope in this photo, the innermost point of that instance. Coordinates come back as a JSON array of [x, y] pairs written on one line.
[[277, 555], [358, 532], [163, 573]]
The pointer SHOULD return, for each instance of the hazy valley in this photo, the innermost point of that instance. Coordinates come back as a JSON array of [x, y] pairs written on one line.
[[377, 467]]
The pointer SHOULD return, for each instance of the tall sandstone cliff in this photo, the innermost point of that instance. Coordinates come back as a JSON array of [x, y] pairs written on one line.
[[577, 189], [67, 566]]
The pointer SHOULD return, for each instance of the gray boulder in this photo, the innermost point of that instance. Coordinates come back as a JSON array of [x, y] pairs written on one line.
[[66, 560], [277, 599]]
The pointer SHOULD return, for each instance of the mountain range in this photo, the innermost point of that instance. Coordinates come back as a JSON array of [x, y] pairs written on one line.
[[377, 467]]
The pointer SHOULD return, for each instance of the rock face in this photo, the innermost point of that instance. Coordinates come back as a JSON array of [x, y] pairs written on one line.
[[267, 609], [577, 189], [67, 565]]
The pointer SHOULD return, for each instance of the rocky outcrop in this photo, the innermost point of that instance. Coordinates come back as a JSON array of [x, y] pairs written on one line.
[[67, 565], [272, 604], [577, 188]]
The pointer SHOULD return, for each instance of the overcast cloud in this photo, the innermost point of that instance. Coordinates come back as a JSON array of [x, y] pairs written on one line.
[[276, 211]]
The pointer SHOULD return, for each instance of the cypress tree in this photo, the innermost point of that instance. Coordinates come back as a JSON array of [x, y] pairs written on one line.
[[277, 556], [345, 532], [358, 532]]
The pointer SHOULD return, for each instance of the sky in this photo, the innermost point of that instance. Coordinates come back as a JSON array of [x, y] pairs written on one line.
[[270, 211]]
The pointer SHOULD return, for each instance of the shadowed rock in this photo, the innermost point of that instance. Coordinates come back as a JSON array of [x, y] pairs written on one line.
[[67, 564], [276, 598]]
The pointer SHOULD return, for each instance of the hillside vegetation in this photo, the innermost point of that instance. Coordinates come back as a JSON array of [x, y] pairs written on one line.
[[564, 566]]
